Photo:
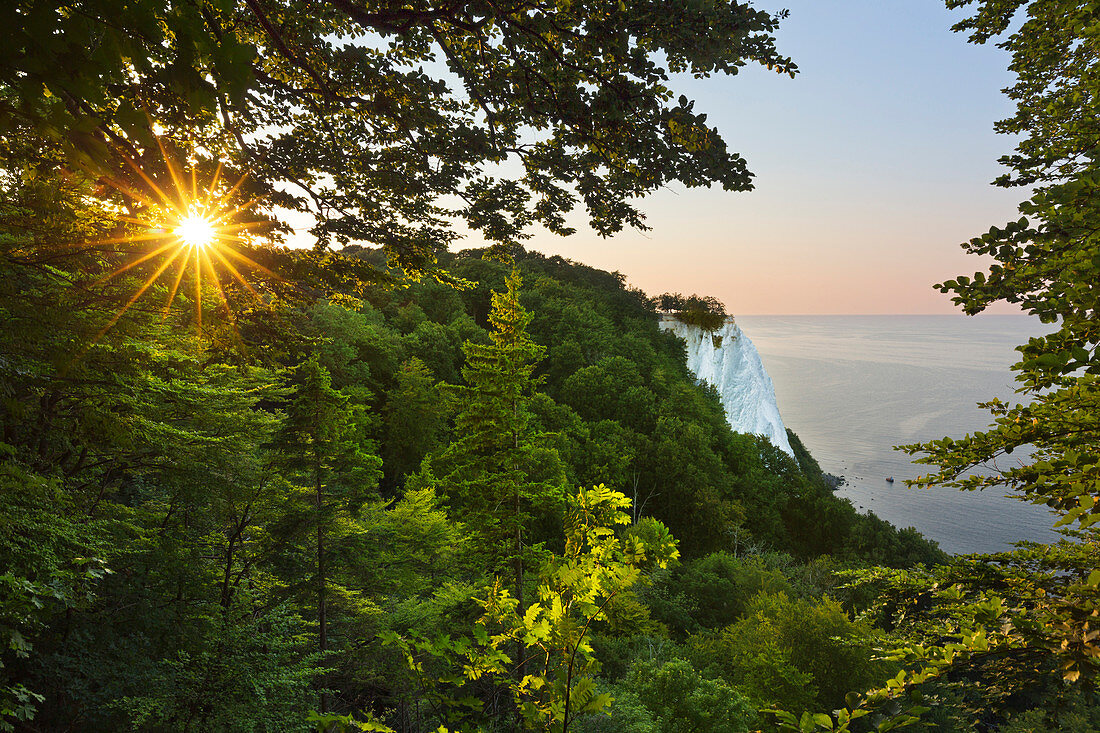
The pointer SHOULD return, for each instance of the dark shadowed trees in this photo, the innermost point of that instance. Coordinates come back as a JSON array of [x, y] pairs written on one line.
[[386, 121]]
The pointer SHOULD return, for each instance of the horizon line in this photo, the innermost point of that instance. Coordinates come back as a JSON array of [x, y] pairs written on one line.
[[891, 315]]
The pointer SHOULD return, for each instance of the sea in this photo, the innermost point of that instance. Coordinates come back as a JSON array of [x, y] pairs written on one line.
[[853, 387]]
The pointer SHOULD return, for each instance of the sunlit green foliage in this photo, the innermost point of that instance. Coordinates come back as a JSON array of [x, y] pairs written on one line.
[[182, 503], [177, 514], [551, 637], [499, 473]]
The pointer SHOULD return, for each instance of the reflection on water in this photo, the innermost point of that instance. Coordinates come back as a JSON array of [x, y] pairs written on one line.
[[854, 386]]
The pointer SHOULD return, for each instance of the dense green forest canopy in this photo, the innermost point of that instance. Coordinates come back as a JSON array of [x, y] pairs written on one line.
[[196, 502]]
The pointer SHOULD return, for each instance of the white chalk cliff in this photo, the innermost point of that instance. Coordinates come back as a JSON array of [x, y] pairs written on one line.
[[727, 359]]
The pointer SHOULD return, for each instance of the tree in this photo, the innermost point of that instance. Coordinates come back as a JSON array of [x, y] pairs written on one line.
[[611, 389], [576, 589], [707, 312], [668, 302], [792, 652], [684, 701], [318, 441], [498, 471], [134, 476], [1047, 263], [375, 116], [414, 419]]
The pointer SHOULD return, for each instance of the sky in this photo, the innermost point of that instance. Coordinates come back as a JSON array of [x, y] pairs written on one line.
[[872, 166]]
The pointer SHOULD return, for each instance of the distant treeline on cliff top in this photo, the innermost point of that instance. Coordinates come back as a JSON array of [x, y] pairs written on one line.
[[707, 312]]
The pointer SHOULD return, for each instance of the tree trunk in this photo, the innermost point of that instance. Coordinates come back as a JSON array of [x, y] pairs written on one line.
[[521, 668], [521, 664], [322, 613]]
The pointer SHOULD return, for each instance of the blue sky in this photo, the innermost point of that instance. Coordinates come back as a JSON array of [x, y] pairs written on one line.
[[872, 165]]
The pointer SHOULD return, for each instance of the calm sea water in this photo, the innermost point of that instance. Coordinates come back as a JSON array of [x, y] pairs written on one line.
[[854, 386]]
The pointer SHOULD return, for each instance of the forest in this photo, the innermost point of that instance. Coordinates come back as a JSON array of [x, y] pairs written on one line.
[[384, 483], [254, 528]]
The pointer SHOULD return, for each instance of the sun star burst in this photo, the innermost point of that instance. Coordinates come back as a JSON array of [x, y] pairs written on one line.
[[193, 230]]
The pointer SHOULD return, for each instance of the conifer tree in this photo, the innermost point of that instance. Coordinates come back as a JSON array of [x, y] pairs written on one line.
[[320, 443], [497, 473], [414, 418]]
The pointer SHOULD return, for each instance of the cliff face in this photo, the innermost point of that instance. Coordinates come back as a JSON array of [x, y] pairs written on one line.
[[727, 359]]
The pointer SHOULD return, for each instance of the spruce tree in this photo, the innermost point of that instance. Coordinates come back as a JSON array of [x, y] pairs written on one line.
[[497, 474], [321, 444], [414, 417]]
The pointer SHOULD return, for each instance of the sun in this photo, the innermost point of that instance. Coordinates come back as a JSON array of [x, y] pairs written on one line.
[[193, 228], [196, 230]]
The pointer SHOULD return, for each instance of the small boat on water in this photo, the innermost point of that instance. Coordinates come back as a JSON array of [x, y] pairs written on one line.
[[889, 479]]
